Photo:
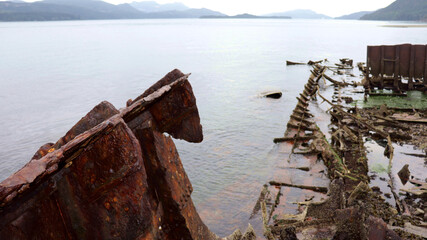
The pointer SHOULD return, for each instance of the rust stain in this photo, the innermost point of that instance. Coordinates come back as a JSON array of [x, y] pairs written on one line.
[[388, 65], [63, 220], [112, 165]]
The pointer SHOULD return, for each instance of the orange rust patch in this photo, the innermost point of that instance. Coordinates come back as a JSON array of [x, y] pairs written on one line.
[[107, 205], [92, 178]]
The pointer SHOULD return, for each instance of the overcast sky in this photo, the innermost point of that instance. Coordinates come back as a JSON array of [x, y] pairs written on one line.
[[333, 8]]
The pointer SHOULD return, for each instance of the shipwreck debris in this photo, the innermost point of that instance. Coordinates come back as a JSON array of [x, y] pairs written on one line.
[[248, 235], [404, 174], [389, 65], [294, 63], [313, 188], [346, 61], [273, 94], [420, 190], [352, 210], [310, 62], [114, 175], [288, 234]]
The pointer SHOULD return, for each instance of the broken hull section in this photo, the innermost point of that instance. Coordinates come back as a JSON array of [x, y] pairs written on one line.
[[114, 175]]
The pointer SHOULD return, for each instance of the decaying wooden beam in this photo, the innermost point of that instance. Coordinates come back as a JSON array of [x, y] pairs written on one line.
[[302, 225], [392, 122], [388, 94], [301, 127], [266, 228], [336, 82], [294, 63], [302, 120], [261, 198], [420, 120], [356, 119], [312, 188], [295, 138]]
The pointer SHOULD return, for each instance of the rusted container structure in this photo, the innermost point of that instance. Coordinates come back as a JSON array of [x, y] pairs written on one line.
[[397, 67]]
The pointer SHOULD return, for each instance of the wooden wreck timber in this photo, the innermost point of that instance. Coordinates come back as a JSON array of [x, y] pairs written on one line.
[[114, 175], [289, 63], [351, 210]]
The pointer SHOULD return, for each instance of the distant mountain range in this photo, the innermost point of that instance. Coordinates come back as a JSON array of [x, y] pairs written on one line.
[[151, 6], [172, 10], [301, 13], [401, 10], [354, 16], [65, 10], [50, 10], [189, 13], [247, 16]]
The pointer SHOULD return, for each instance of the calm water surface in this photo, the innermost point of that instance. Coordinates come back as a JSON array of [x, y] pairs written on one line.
[[53, 73]]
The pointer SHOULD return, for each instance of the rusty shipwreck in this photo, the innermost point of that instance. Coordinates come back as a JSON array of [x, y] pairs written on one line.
[[117, 174], [114, 175]]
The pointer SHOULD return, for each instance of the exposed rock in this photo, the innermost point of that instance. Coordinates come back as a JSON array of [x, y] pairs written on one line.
[[404, 174], [275, 95]]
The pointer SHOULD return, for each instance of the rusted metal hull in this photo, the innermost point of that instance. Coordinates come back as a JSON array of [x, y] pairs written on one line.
[[114, 175], [387, 65]]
